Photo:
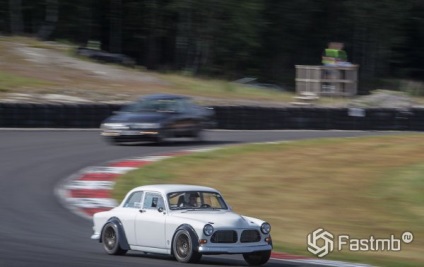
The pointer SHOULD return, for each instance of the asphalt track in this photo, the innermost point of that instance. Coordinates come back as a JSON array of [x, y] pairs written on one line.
[[36, 230]]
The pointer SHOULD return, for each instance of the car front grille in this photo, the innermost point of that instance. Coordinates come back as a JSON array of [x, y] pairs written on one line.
[[250, 236], [224, 236]]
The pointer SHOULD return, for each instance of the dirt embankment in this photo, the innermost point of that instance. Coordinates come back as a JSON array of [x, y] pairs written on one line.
[[61, 77]]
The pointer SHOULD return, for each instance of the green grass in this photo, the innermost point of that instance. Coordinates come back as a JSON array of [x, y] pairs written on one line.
[[9, 82], [357, 186]]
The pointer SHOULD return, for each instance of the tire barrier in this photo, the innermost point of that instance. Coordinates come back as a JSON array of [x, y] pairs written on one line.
[[54, 115], [25, 115]]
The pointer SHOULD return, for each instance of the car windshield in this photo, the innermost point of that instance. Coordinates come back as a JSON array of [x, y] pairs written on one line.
[[155, 105], [195, 200]]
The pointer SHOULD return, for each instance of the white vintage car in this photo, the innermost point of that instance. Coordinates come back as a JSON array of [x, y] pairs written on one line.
[[185, 221]]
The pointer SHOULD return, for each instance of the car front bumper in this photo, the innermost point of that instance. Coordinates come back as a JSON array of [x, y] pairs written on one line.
[[131, 135], [233, 249]]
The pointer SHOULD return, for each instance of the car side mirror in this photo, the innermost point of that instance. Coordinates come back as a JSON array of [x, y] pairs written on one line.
[[160, 209]]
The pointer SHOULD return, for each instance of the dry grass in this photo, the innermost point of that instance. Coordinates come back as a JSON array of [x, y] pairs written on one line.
[[40, 68], [357, 186], [33, 67]]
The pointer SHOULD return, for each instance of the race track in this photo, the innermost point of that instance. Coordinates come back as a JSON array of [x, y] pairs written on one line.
[[36, 230]]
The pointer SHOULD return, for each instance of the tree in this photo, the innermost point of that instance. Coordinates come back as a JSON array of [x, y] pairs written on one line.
[[51, 17], [376, 27], [16, 18], [115, 31], [264, 38], [216, 36]]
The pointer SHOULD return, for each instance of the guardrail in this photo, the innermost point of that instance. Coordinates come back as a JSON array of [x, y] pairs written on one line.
[[228, 117]]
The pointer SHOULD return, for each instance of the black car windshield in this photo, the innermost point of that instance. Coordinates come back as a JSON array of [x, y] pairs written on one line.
[[155, 105], [196, 200]]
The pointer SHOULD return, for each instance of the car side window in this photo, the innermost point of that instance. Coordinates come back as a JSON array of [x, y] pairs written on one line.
[[178, 105], [184, 106], [134, 201], [153, 201]]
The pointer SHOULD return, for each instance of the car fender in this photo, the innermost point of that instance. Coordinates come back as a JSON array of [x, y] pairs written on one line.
[[123, 243], [256, 221], [193, 236]]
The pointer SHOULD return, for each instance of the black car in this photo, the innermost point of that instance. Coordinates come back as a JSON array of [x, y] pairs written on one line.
[[156, 118]]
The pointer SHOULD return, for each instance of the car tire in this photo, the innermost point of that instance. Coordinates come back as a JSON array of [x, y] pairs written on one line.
[[112, 141], [110, 240], [183, 248], [162, 137], [257, 258], [199, 134]]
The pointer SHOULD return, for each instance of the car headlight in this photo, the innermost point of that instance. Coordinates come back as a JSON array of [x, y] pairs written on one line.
[[265, 228], [208, 229], [146, 125], [114, 126]]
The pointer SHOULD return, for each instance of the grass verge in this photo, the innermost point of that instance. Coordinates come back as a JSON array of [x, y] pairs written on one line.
[[357, 186], [10, 81]]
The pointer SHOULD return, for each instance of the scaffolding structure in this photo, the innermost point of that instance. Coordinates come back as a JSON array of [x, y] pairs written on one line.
[[327, 80]]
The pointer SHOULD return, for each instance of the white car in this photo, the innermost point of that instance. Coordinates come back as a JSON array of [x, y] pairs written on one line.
[[185, 221]]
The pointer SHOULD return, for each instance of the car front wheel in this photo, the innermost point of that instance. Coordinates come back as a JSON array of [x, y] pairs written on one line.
[[110, 240], [183, 248], [162, 137], [257, 258]]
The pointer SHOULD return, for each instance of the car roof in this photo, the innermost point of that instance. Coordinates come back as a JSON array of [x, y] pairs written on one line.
[[163, 96], [169, 188]]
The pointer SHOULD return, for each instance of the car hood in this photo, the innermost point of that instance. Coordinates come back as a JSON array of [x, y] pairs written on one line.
[[218, 218], [137, 117]]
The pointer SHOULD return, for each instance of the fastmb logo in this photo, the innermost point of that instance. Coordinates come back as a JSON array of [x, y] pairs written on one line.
[[320, 242]]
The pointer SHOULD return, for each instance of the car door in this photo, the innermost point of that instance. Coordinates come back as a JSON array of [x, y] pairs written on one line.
[[128, 214], [185, 119], [150, 221]]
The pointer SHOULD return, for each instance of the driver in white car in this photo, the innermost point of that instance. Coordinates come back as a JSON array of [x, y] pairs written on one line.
[[192, 200]]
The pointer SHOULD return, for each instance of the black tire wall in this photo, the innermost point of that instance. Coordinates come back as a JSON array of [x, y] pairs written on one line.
[[19, 115]]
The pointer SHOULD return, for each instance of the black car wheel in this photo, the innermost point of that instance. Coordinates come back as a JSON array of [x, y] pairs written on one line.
[[110, 240], [198, 134], [257, 258], [160, 139], [112, 141], [183, 248]]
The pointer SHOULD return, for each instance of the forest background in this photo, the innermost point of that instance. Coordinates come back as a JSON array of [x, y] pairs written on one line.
[[232, 39]]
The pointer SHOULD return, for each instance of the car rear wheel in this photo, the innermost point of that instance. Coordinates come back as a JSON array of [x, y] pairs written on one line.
[[112, 141], [183, 248], [110, 240], [257, 258], [198, 134]]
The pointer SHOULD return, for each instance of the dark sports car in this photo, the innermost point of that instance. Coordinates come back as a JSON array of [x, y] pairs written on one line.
[[156, 118]]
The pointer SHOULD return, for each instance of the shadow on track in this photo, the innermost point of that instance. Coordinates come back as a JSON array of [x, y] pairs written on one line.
[[207, 260], [179, 143]]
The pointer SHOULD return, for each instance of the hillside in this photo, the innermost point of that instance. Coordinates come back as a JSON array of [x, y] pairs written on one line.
[[34, 71]]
